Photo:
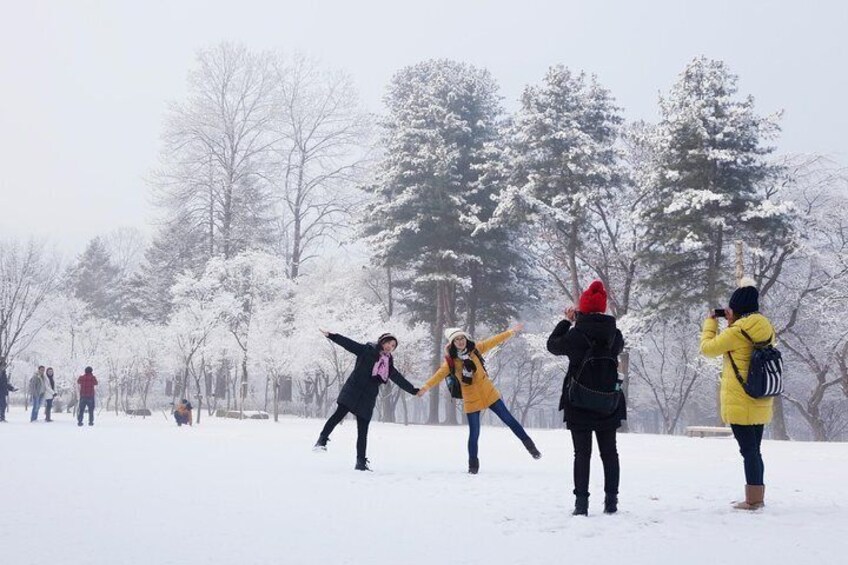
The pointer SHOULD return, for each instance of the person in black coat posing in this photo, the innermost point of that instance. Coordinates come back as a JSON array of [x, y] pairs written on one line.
[[574, 336], [374, 367]]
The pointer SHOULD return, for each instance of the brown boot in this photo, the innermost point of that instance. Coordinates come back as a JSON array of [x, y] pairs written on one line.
[[754, 498]]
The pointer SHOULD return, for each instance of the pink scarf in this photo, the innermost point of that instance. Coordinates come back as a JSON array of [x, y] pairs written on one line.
[[381, 367]]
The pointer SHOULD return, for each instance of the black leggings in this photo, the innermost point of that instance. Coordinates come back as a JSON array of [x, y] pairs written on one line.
[[583, 455], [361, 429], [749, 439]]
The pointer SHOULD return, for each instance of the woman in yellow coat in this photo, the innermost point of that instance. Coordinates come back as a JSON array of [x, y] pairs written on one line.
[[465, 359], [746, 415]]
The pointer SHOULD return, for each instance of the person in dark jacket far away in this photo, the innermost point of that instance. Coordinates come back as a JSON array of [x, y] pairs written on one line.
[[5, 388], [374, 367], [586, 328], [50, 394]]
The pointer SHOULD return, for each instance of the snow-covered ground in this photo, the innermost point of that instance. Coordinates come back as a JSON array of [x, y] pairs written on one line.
[[133, 491]]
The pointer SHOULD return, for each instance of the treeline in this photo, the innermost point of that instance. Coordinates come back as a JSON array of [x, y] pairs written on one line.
[[283, 206]]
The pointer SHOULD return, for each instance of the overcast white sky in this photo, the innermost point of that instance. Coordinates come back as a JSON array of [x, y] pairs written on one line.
[[85, 84]]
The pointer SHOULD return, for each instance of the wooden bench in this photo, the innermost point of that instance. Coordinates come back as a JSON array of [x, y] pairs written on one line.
[[708, 431]]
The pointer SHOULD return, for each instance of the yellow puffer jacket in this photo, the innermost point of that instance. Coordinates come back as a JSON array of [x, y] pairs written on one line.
[[481, 393], [736, 406]]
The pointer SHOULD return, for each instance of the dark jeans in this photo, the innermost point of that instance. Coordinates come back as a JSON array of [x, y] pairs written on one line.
[[48, 407], [83, 403], [181, 418], [749, 439], [583, 455], [2, 405], [502, 412], [361, 429]]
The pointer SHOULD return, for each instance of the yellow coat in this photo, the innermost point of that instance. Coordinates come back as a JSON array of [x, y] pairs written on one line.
[[736, 406], [481, 393]]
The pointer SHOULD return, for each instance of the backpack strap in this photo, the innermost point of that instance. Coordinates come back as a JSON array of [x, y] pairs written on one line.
[[592, 343], [735, 370], [757, 344]]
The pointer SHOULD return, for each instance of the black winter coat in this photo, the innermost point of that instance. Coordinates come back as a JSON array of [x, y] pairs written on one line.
[[565, 340], [359, 393], [5, 386]]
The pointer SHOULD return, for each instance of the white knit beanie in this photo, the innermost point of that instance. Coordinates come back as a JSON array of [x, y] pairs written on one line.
[[453, 333]]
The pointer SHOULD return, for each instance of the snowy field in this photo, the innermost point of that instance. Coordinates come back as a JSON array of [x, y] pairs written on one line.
[[133, 491]]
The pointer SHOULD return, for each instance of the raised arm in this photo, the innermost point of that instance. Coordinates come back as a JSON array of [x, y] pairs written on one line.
[[490, 343], [559, 341], [714, 344], [352, 346]]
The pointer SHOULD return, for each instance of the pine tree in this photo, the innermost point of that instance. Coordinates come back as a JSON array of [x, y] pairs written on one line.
[[561, 161], [94, 280], [429, 198], [710, 172]]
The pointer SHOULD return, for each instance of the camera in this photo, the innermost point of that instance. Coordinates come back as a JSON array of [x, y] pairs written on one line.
[[719, 313]]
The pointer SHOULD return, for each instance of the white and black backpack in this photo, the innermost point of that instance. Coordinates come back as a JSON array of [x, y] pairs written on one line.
[[765, 373]]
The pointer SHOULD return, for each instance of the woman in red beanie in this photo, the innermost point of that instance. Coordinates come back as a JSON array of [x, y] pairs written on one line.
[[587, 332]]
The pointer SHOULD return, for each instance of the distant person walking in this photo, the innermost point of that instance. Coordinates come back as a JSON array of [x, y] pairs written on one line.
[[464, 361], [746, 415], [592, 343], [5, 388], [374, 367], [37, 391], [49, 394], [86, 383]]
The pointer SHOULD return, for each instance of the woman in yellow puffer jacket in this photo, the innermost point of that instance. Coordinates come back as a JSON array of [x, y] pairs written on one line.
[[747, 416], [464, 358]]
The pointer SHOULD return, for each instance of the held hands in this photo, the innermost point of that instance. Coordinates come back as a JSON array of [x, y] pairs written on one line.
[[422, 390], [325, 332], [517, 328]]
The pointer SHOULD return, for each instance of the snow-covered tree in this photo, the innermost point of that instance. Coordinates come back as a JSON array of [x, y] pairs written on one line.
[[319, 156], [429, 200], [562, 162], [710, 185], [95, 280]]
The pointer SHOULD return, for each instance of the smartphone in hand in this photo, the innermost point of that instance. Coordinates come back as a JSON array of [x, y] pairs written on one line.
[[719, 313]]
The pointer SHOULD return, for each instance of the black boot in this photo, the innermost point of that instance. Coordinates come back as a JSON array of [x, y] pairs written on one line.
[[321, 444], [610, 504], [531, 447], [581, 506], [362, 464], [473, 465]]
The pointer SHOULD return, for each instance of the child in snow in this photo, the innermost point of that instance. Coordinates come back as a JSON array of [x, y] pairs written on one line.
[[182, 412], [374, 367], [746, 415], [464, 359], [583, 329]]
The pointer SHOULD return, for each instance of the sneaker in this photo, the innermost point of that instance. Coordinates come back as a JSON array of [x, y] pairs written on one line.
[[473, 465], [79, 424], [362, 465], [610, 504]]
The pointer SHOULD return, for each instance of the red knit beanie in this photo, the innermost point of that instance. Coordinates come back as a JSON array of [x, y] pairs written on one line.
[[594, 299]]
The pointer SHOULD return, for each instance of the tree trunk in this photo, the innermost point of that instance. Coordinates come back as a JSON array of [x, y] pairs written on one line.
[[778, 427], [438, 328]]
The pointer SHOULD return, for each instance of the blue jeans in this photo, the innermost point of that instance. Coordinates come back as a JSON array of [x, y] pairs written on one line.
[[83, 404], [749, 439], [502, 412], [36, 406]]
